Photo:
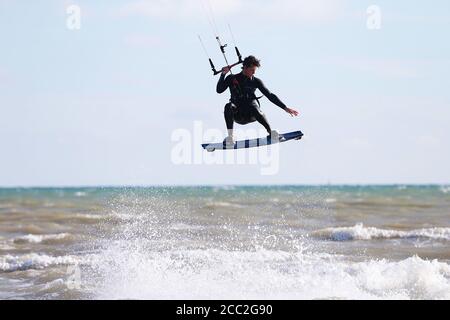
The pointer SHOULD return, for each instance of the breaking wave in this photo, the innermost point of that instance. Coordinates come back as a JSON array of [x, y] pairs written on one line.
[[10, 263], [266, 274], [359, 232], [42, 238]]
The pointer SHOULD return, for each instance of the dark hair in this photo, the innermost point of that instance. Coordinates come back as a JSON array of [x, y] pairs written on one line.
[[251, 61]]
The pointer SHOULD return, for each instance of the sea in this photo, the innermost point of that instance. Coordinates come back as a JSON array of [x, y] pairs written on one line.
[[226, 242]]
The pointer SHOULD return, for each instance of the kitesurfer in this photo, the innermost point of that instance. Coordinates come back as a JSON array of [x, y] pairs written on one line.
[[244, 107]]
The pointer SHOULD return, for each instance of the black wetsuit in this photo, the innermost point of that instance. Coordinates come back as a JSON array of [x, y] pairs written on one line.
[[244, 106]]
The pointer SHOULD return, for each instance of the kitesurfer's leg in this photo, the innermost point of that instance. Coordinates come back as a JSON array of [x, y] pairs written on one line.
[[229, 115], [260, 117], [229, 120]]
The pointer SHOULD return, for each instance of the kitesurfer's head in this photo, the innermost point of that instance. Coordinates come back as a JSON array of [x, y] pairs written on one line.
[[250, 64]]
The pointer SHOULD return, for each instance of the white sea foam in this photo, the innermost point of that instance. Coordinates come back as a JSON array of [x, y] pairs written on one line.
[[184, 226], [89, 216], [121, 216], [52, 286], [5, 246], [224, 204], [10, 263], [42, 238], [265, 274], [359, 232], [445, 189]]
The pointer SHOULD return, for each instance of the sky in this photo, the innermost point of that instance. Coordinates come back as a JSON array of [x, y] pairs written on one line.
[[101, 104]]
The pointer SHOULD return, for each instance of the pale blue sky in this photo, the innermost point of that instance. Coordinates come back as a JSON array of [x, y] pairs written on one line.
[[98, 106]]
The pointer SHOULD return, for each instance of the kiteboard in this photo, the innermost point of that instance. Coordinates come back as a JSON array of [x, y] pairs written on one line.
[[251, 143]]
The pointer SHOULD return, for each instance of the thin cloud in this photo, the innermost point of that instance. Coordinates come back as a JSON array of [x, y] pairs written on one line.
[[143, 41], [175, 9], [357, 143], [6, 78], [391, 68], [429, 141], [301, 11]]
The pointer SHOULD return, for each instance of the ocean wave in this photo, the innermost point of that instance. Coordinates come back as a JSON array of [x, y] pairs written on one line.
[[385, 202], [52, 286], [120, 216], [445, 189], [223, 188], [9, 263], [265, 274], [42, 238], [224, 204], [6, 246], [87, 217], [359, 232]]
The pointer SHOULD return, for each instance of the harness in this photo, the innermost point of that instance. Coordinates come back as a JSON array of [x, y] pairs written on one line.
[[241, 94]]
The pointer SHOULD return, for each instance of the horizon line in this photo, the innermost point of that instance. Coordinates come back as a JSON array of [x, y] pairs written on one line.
[[222, 185]]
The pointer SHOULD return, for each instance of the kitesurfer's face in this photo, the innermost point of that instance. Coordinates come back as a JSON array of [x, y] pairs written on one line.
[[250, 71]]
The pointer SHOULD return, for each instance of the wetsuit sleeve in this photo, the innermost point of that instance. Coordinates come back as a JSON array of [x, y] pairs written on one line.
[[272, 97], [223, 83]]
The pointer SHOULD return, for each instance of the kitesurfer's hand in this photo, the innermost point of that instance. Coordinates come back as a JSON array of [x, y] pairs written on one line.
[[292, 112], [225, 70]]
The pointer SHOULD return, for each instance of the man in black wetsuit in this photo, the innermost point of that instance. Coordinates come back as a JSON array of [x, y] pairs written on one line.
[[244, 107]]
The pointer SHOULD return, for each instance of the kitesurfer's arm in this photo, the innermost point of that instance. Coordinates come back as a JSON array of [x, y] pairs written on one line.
[[223, 82], [272, 97]]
